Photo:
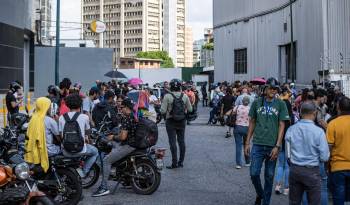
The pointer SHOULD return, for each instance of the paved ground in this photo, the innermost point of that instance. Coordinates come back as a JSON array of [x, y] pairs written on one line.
[[208, 177]]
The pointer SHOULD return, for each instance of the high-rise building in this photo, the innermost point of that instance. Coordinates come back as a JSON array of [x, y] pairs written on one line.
[[43, 11], [188, 47], [174, 23], [131, 25]]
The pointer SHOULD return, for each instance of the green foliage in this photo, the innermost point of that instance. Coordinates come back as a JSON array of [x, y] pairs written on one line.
[[208, 46], [167, 62]]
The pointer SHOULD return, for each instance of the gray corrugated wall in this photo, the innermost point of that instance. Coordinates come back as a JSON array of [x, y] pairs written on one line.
[[263, 35], [84, 65]]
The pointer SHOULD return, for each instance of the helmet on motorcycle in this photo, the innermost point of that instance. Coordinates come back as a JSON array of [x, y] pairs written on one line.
[[175, 85], [53, 90], [272, 83], [14, 86]]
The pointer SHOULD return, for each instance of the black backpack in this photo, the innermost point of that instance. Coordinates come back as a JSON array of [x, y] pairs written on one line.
[[73, 141], [146, 134], [178, 109]]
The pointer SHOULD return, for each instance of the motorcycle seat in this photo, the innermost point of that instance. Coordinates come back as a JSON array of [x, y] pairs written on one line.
[[138, 151]]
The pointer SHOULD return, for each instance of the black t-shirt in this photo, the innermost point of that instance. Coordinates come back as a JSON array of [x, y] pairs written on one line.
[[227, 101], [11, 98], [129, 124]]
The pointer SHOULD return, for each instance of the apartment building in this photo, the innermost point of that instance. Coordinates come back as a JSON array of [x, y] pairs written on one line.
[[43, 13], [174, 24], [131, 25], [188, 47]]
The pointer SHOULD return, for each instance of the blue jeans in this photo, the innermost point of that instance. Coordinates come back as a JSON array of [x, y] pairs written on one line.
[[282, 170], [340, 182], [259, 155], [212, 114], [92, 154], [240, 133], [324, 187]]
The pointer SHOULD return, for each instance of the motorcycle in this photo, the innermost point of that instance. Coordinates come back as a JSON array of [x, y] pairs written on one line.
[[140, 169], [16, 184], [61, 182]]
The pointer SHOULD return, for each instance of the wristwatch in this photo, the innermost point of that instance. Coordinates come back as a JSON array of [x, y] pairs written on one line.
[[278, 147]]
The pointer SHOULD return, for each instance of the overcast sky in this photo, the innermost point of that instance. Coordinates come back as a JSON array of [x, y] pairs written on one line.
[[199, 17]]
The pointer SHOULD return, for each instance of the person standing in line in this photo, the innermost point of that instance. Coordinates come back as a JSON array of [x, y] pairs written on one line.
[[241, 130], [12, 104], [243, 94], [338, 136], [226, 104], [175, 105], [266, 126], [204, 94], [306, 146], [282, 164]]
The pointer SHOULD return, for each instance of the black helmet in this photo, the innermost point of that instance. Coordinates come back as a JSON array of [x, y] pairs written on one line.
[[52, 89], [175, 84], [14, 86], [127, 102], [272, 82]]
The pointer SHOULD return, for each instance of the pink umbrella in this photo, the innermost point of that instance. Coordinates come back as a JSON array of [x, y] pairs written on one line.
[[135, 81], [258, 81]]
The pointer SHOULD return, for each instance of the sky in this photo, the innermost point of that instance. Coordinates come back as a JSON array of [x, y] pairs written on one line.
[[199, 17]]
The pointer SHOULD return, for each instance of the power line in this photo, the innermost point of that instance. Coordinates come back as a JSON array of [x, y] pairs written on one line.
[[72, 22]]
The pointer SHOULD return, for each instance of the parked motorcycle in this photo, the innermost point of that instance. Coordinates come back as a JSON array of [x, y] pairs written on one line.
[[61, 182], [16, 184]]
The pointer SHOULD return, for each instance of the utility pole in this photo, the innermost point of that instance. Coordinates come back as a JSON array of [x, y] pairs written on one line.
[[292, 42], [57, 53]]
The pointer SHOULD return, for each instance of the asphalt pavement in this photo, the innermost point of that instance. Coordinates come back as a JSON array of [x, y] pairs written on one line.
[[209, 176]]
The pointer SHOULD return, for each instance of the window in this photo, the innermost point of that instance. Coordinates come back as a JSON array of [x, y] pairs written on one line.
[[240, 61]]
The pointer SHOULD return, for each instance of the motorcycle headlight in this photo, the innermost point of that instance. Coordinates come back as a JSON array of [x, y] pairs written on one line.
[[22, 171]]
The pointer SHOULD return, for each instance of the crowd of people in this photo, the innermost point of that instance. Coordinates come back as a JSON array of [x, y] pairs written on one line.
[[300, 136]]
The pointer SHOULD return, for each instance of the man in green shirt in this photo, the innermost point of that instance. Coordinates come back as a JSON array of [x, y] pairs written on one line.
[[266, 126]]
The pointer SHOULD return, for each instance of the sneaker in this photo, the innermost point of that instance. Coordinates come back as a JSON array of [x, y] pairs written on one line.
[[172, 166], [101, 192], [238, 167], [247, 165], [81, 173], [286, 192], [228, 135], [278, 189], [180, 165], [258, 200]]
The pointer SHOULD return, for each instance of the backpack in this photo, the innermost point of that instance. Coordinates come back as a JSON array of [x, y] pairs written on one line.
[[178, 109], [146, 134], [73, 141]]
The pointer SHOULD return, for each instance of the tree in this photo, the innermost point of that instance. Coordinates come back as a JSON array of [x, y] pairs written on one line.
[[167, 62], [208, 46]]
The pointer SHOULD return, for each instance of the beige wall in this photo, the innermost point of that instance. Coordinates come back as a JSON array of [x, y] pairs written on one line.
[[188, 47]]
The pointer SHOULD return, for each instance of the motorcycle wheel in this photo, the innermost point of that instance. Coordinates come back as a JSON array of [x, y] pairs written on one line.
[[72, 187], [147, 181], [222, 122], [41, 200], [214, 121], [92, 177]]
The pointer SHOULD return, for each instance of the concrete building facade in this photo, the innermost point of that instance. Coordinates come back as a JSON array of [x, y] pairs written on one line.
[[139, 63], [188, 47], [16, 44], [131, 25], [43, 21], [174, 24], [253, 39]]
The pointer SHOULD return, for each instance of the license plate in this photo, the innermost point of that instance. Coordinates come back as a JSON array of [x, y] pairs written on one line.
[[160, 163]]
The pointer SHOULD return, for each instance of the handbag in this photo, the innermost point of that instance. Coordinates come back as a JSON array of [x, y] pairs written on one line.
[[231, 119]]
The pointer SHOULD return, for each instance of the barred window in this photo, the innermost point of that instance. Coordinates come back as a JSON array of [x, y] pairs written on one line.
[[240, 61]]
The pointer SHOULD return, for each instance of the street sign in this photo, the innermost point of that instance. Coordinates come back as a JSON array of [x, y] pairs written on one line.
[[97, 26]]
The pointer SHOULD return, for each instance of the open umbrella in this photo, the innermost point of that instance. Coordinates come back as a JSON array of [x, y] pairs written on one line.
[[135, 81], [258, 81], [115, 74]]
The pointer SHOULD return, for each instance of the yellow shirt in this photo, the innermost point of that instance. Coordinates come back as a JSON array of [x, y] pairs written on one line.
[[338, 136]]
